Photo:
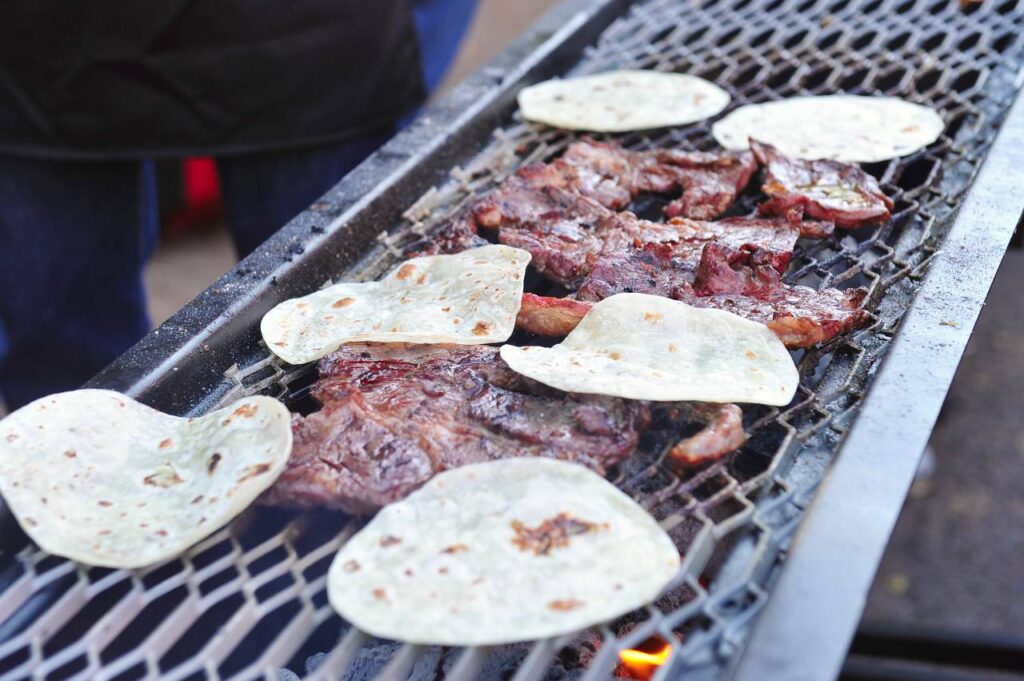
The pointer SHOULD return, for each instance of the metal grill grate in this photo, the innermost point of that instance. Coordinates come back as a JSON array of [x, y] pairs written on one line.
[[251, 600]]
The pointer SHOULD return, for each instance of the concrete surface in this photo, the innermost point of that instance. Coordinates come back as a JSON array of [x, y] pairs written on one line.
[[957, 557]]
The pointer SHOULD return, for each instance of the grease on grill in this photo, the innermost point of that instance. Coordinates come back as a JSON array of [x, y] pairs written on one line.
[[551, 534]]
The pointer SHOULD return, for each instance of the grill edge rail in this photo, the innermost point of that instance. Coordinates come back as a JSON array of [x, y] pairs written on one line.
[[848, 525]]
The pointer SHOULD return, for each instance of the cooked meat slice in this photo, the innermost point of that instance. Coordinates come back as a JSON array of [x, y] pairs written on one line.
[[722, 433], [710, 181], [589, 182], [725, 279], [394, 415], [729, 280], [566, 251], [549, 316], [546, 316], [825, 190]]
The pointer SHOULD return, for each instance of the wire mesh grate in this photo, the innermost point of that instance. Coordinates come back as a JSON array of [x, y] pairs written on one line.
[[250, 600]]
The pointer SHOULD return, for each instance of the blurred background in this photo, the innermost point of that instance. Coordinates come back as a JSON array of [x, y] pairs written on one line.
[[955, 559]]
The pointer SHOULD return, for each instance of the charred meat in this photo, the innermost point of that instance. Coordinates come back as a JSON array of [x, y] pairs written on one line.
[[395, 415], [824, 190], [591, 181], [728, 279]]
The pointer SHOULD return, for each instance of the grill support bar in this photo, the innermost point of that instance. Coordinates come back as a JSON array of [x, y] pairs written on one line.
[[810, 618]]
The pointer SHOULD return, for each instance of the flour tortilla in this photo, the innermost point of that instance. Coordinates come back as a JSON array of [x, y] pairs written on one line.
[[471, 298], [839, 127], [95, 476], [646, 347], [617, 101], [443, 567]]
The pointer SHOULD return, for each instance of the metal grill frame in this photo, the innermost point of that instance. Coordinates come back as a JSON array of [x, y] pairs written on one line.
[[179, 368]]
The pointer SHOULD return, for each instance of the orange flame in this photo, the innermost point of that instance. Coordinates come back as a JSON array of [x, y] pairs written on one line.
[[641, 664]]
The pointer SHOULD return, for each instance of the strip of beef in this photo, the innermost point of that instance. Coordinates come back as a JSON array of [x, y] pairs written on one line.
[[394, 415], [710, 181], [565, 250], [725, 279], [723, 431], [823, 189], [591, 181]]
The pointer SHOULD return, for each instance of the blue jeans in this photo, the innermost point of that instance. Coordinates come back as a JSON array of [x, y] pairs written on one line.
[[74, 236]]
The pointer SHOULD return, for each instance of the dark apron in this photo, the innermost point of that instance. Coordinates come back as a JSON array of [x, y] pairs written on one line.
[[108, 79]]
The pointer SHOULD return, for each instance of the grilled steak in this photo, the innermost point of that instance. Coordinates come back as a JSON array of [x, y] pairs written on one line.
[[709, 181], [567, 253], [826, 190], [394, 415], [726, 279], [591, 181]]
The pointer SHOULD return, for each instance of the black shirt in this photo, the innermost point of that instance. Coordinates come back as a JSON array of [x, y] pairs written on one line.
[[131, 78]]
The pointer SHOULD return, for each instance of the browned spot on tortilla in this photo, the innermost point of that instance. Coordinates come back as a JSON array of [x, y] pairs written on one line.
[[380, 594], [481, 328], [11, 437], [390, 541], [614, 355], [104, 503], [164, 478], [31, 521], [350, 566], [442, 570], [70, 453], [211, 464], [103, 532], [161, 533], [246, 410], [446, 309], [750, 354], [405, 271], [197, 499], [672, 347], [652, 316], [164, 444], [552, 533], [344, 302], [422, 279], [566, 604], [455, 548], [253, 471], [408, 572]]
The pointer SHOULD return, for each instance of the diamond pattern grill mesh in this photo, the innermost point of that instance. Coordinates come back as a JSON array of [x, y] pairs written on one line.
[[250, 601]]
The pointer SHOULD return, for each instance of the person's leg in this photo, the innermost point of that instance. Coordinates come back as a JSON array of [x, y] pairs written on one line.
[[263, 191], [73, 240], [440, 26]]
